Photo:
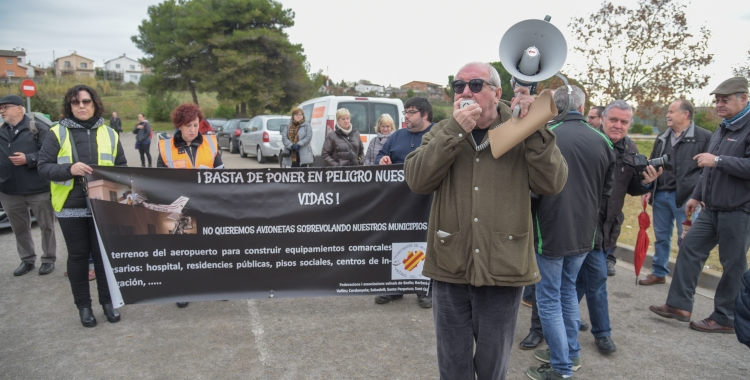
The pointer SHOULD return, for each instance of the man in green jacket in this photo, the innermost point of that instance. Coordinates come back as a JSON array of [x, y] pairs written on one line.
[[479, 243]]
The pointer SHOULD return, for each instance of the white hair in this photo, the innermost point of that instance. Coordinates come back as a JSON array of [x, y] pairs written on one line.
[[494, 75], [620, 104], [577, 98]]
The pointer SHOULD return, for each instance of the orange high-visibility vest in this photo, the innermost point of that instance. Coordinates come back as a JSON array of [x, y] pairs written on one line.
[[205, 154]]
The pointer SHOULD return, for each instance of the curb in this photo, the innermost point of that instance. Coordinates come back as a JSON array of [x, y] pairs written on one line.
[[708, 279]]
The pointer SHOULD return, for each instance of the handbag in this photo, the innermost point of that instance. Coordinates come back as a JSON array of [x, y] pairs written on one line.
[[286, 152], [354, 151]]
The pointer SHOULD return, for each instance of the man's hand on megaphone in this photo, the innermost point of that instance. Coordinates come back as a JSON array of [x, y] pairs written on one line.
[[523, 98], [466, 117]]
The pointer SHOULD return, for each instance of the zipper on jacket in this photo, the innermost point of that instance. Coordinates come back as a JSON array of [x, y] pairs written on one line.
[[88, 134]]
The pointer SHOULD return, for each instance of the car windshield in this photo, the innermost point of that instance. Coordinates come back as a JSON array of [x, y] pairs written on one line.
[[217, 123], [276, 124], [243, 124]]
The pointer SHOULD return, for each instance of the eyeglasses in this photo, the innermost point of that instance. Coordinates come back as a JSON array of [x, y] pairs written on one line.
[[411, 112], [592, 117], [475, 85], [85, 102], [6, 107]]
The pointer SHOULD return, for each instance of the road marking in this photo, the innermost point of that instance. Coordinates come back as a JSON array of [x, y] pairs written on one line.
[[257, 328]]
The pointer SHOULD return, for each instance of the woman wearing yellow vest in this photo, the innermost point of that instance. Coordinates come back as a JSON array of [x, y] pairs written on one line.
[[188, 148], [79, 141]]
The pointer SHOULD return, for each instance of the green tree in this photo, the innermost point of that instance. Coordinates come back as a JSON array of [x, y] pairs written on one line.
[[409, 93], [647, 55], [448, 90]]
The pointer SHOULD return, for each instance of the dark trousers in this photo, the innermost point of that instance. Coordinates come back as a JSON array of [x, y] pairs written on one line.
[[731, 231], [536, 323], [611, 255], [81, 240], [145, 150], [466, 316]]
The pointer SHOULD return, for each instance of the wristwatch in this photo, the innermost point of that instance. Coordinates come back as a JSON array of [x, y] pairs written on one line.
[[716, 160]]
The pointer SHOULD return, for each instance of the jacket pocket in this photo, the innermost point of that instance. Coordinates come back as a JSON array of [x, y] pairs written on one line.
[[450, 256], [510, 254]]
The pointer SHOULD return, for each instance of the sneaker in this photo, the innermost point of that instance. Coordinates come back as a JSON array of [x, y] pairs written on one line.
[[584, 326], [543, 356], [545, 372], [611, 268], [382, 300], [424, 302]]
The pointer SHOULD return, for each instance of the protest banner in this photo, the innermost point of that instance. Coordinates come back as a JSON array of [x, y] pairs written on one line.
[[196, 235]]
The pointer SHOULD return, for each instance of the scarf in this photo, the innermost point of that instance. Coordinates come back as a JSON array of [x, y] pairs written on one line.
[[73, 122], [345, 131], [738, 116], [293, 136]]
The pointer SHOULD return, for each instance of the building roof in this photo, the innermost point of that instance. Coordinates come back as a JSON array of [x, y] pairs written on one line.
[[122, 56], [76, 54], [427, 83], [12, 53]]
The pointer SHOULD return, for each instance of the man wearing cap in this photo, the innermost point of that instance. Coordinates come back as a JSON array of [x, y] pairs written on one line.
[[22, 188], [724, 190]]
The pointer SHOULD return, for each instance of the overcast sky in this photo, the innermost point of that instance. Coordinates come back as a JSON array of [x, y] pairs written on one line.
[[388, 42]]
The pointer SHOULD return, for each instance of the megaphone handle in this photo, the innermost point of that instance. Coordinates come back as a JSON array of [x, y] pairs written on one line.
[[517, 108]]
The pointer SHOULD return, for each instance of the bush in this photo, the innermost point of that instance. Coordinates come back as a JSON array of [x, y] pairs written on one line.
[[647, 130], [636, 128], [224, 110], [159, 106], [706, 120], [439, 113]]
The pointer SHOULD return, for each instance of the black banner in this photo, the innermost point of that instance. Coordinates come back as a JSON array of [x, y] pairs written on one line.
[[191, 235]]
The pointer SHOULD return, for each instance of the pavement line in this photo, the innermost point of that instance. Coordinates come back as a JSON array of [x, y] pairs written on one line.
[[257, 328]]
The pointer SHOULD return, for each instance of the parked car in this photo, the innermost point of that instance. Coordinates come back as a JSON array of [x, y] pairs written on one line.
[[260, 137], [216, 122], [228, 135], [365, 111]]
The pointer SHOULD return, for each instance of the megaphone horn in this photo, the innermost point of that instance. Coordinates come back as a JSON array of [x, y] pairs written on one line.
[[533, 50]]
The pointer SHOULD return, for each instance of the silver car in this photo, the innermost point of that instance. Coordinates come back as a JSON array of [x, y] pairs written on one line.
[[260, 137]]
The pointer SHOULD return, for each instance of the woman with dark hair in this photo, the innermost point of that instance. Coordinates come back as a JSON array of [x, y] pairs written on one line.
[[142, 133], [188, 148], [78, 142], [296, 138]]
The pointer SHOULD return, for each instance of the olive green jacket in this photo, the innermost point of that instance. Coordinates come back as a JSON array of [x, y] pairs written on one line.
[[480, 230]]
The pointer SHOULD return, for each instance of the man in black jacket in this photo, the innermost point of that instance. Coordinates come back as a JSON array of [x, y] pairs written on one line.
[[682, 141], [724, 189], [115, 122], [564, 229], [21, 186]]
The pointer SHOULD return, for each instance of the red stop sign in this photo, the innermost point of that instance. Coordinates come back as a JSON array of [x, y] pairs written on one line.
[[28, 87]]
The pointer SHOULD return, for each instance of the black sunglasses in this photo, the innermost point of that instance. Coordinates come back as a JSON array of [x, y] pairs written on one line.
[[475, 85]]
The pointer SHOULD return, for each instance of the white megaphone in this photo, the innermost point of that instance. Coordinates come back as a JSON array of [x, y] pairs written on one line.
[[532, 51]]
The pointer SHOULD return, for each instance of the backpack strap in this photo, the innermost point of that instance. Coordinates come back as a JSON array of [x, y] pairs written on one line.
[[32, 127]]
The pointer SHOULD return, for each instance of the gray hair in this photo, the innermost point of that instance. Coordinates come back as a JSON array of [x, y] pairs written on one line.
[[494, 75], [685, 106], [619, 104], [577, 98]]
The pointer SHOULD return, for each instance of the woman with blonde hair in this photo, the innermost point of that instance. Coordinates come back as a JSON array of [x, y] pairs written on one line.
[[384, 129], [296, 138], [343, 146]]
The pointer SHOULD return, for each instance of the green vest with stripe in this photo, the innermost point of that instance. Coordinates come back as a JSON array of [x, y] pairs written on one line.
[[106, 143]]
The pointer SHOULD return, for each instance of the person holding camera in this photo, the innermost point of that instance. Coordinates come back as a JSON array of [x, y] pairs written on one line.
[[724, 190], [682, 141]]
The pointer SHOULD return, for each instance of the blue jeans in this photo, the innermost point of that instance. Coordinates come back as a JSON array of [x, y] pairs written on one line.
[[666, 214], [592, 282], [557, 300]]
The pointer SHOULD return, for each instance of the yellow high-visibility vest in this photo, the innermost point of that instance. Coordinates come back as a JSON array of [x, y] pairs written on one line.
[[106, 143]]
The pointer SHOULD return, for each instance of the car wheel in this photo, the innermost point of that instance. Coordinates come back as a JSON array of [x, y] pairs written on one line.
[[242, 150], [234, 146], [259, 155]]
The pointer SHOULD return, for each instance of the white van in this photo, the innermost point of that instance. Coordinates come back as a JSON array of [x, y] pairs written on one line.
[[321, 114]]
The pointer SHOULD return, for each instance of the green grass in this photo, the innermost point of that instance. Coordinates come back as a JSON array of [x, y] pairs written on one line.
[[129, 103]]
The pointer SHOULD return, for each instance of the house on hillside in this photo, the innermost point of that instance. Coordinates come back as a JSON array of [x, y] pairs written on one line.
[[130, 69], [74, 64], [12, 64], [361, 88], [433, 91]]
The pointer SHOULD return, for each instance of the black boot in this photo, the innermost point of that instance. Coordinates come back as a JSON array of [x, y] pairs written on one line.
[[87, 317], [182, 305], [113, 316]]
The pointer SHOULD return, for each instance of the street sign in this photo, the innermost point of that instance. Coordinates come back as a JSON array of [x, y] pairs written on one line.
[[28, 87]]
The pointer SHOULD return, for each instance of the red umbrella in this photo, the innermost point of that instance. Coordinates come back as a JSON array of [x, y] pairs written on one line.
[[641, 244], [686, 226]]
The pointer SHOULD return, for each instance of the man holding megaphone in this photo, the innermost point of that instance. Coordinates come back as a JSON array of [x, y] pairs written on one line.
[[479, 243]]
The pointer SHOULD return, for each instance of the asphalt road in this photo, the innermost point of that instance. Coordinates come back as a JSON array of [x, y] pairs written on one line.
[[348, 337]]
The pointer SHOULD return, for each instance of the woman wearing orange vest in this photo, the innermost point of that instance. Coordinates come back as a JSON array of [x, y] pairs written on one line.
[[188, 148]]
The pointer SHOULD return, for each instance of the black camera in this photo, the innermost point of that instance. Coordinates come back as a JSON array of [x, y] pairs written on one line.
[[640, 162]]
